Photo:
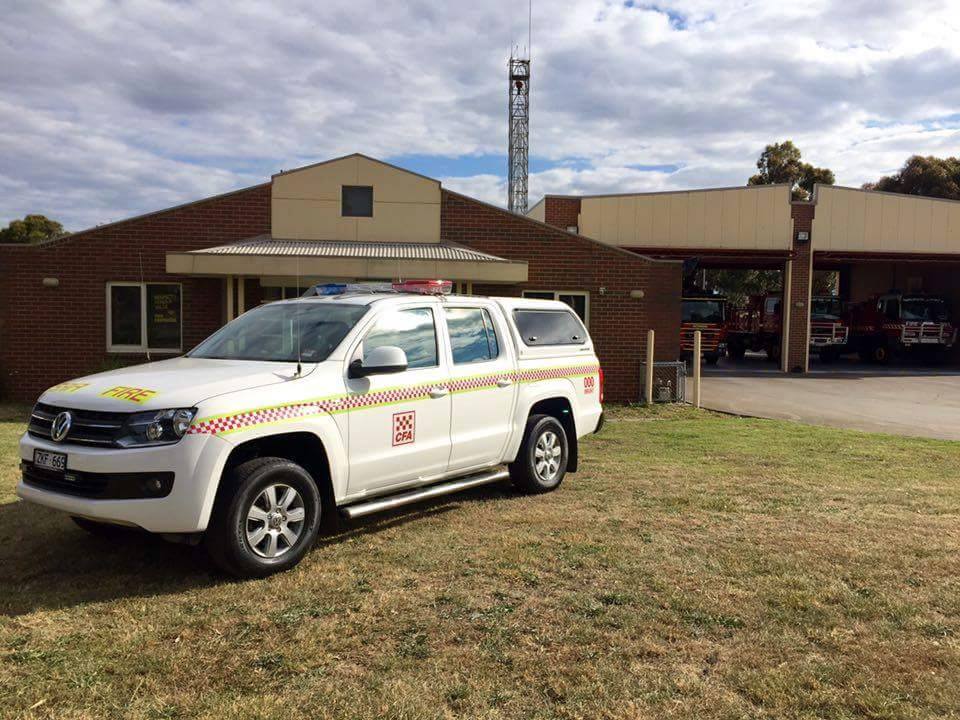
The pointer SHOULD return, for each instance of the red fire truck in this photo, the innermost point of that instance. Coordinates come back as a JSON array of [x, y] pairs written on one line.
[[758, 326], [706, 313], [896, 323], [829, 330]]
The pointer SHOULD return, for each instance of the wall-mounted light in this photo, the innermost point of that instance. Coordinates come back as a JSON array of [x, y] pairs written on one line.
[[803, 237], [51, 282], [637, 294]]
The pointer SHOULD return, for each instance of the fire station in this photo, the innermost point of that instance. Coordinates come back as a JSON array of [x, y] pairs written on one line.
[[891, 252], [153, 286]]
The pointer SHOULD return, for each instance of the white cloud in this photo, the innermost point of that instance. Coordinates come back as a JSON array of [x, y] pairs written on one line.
[[108, 110]]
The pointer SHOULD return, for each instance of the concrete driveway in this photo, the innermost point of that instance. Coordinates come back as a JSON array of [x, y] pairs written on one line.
[[905, 402]]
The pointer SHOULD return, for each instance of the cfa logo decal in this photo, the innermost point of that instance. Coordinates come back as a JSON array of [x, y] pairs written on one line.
[[404, 427], [589, 383]]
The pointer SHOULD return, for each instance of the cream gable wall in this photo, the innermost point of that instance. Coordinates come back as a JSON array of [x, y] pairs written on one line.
[[863, 221], [305, 203], [749, 218]]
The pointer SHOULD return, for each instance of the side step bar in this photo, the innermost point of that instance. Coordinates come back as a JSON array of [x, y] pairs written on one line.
[[444, 488]]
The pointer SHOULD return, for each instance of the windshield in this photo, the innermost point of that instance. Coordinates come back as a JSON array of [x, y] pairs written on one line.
[[827, 308], [270, 333], [702, 311], [924, 309]]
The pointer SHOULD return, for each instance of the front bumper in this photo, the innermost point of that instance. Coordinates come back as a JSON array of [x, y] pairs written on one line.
[[196, 463]]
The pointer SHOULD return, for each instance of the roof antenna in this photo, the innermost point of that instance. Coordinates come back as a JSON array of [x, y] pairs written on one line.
[[140, 255], [297, 315]]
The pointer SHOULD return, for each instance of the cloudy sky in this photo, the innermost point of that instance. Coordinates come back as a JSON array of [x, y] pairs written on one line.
[[113, 108]]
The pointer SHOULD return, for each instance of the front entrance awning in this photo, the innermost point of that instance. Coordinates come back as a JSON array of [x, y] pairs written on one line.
[[266, 256]]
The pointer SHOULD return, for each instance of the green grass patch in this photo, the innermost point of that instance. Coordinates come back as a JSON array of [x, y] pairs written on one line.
[[697, 566]]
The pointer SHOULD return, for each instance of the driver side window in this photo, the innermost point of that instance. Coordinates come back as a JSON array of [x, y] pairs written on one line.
[[413, 331]]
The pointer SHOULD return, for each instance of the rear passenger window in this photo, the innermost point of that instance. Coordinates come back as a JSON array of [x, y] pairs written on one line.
[[472, 337], [410, 330], [549, 327]]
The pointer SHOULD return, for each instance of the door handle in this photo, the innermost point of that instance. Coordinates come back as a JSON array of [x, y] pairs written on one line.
[[438, 392], [504, 382]]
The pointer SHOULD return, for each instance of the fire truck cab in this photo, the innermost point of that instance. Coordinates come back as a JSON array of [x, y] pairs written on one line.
[[706, 313], [755, 326], [896, 323], [758, 326], [829, 331]]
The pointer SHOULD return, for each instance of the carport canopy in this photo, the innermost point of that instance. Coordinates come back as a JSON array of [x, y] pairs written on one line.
[[266, 256]]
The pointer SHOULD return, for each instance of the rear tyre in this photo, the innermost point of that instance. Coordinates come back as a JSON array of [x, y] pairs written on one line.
[[711, 359], [880, 354], [773, 352], [542, 460], [736, 350], [828, 355], [265, 520]]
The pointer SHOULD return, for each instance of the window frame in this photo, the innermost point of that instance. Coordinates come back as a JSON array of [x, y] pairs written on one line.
[[357, 350], [142, 347], [342, 201], [555, 311], [485, 314], [556, 296]]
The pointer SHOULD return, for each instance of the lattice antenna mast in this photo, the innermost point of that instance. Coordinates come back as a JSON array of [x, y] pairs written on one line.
[[519, 126]]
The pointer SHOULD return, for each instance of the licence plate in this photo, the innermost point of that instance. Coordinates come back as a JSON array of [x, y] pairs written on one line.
[[50, 460]]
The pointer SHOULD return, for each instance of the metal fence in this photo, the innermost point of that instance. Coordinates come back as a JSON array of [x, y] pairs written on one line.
[[669, 382]]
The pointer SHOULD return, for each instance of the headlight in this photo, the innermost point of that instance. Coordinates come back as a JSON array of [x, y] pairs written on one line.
[[157, 427]]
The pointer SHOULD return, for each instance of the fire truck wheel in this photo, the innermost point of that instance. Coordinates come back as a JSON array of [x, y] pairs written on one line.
[[773, 352], [712, 358], [828, 355], [736, 351], [881, 355]]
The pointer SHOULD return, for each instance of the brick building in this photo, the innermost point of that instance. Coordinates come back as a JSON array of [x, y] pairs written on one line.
[[155, 285]]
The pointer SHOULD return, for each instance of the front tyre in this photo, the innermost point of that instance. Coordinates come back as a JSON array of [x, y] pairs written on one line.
[[266, 520], [542, 460]]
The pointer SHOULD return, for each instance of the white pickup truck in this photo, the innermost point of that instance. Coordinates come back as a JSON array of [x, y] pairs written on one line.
[[344, 400]]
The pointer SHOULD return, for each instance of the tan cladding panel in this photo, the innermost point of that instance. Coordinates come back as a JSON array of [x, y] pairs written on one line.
[[863, 221], [538, 211], [751, 218], [306, 203]]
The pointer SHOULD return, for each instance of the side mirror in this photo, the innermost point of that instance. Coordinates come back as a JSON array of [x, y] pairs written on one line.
[[379, 361]]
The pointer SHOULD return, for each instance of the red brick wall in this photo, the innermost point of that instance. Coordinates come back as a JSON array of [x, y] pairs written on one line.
[[561, 212], [560, 261], [800, 284], [52, 334]]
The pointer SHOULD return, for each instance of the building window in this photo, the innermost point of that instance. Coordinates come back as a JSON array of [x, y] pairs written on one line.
[[357, 201], [577, 299], [144, 316]]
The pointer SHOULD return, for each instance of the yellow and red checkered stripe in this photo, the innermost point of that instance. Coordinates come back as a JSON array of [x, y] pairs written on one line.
[[223, 424]]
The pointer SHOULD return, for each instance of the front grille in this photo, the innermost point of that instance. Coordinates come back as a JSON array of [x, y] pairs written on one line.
[[101, 486], [89, 427]]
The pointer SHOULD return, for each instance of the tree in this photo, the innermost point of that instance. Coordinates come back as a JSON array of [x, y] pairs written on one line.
[[782, 163], [32, 229], [928, 176]]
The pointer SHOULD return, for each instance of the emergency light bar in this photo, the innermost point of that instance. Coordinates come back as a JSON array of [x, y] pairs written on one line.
[[420, 287]]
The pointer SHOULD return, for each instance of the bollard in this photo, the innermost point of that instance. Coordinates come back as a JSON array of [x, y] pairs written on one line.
[[648, 380], [696, 369]]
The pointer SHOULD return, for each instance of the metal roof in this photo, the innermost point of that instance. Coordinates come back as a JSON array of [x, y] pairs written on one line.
[[266, 245]]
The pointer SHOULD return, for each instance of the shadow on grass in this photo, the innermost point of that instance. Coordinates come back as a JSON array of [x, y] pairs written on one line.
[[48, 563]]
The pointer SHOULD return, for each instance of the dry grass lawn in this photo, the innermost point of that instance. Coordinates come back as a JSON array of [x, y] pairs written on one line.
[[697, 566]]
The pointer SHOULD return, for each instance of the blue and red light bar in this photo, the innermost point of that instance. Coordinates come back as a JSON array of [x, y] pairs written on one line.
[[420, 287]]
